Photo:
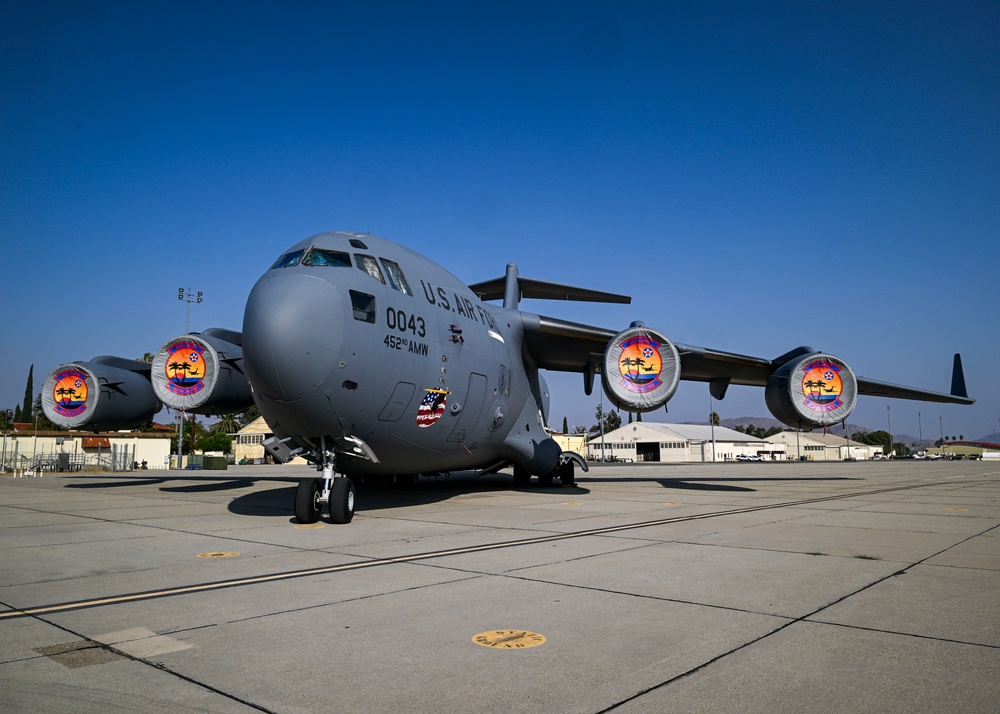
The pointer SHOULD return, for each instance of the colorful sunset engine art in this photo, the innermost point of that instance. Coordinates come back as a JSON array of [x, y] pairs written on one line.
[[812, 391], [105, 393], [641, 369], [202, 373]]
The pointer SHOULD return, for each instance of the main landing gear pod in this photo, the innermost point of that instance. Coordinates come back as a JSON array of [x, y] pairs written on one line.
[[105, 394], [202, 373], [812, 391], [641, 369]]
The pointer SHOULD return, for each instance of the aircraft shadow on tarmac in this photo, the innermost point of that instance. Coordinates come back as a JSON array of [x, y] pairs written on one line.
[[205, 487], [118, 484], [279, 500], [712, 484]]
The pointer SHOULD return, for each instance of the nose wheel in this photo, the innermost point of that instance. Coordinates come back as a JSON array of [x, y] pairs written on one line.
[[310, 496], [341, 500]]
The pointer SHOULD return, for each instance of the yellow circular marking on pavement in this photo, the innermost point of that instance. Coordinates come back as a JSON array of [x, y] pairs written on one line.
[[219, 554], [961, 510], [312, 525], [509, 639]]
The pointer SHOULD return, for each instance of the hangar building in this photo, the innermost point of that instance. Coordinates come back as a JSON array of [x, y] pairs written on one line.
[[812, 446], [680, 443]]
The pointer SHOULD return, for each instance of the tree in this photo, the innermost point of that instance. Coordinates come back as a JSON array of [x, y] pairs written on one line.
[[714, 418], [611, 420], [248, 416], [215, 442], [29, 389], [227, 424], [630, 417], [565, 426], [638, 417]]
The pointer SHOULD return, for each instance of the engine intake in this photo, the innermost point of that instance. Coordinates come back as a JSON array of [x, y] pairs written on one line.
[[105, 394], [202, 373], [812, 391], [641, 369]]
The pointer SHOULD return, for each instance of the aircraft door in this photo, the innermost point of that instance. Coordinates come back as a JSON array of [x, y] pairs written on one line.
[[398, 402], [475, 398]]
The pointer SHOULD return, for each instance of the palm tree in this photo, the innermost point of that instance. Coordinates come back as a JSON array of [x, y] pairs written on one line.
[[227, 424]]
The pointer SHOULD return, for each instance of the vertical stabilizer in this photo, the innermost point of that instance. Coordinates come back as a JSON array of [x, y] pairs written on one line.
[[958, 378]]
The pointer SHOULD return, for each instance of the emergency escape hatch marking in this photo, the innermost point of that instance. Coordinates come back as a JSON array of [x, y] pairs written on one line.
[[219, 554], [509, 639]]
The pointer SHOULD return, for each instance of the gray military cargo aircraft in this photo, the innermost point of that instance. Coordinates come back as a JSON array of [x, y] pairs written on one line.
[[370, 360]]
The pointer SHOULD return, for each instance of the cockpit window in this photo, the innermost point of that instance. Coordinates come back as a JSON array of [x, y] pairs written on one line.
[[368, 264], [321, 258], [363, 306], [288, 259], [396, 277]]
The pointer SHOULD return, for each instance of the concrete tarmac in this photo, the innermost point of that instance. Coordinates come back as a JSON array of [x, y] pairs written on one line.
[[747, 587]]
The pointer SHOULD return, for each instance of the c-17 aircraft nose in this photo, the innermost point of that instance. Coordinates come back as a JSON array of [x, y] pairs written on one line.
[[292, 334]]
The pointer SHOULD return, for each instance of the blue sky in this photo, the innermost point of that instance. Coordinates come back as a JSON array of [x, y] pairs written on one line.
[[756, 177]]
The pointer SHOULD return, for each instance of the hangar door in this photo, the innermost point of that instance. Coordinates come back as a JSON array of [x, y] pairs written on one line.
[[647, 451]]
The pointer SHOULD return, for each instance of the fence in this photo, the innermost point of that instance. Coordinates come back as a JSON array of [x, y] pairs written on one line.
[[115, 459]]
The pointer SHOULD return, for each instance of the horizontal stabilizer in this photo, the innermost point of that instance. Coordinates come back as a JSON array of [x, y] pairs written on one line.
[[512, 288]]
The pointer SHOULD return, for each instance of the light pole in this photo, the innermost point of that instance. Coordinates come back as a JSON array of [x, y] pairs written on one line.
[[920, 426], [889, 419], [189, 297], [941, 427], [711, 420]]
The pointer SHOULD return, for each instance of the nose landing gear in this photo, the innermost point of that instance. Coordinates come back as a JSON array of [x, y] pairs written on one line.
[[336, 491]]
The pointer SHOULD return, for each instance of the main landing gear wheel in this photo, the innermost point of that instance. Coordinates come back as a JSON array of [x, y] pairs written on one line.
[[522, 477], [342, 500], [566, 473], [307, 502]]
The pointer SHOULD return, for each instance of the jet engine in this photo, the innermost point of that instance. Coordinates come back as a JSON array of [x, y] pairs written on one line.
[[640, 369], [811, 391], [202, 373], [105, 394]]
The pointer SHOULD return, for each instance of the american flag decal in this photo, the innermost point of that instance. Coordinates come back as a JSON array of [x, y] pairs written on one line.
[[431, 407]]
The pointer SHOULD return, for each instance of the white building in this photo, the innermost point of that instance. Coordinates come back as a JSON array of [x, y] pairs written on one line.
[[823, 447], [679, 443], [27, 451], [248, 444]]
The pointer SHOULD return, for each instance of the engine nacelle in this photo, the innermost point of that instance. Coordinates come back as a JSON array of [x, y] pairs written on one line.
[[812, 391], [105, 394], [641, 369], [202, 373]]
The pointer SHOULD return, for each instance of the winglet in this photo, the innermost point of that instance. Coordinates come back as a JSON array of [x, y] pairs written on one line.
[[958, 378]]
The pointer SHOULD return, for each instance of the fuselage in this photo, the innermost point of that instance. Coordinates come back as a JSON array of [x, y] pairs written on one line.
[[350, 335]]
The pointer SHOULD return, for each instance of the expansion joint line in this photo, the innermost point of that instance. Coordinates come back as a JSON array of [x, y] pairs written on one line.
[[417, 557]]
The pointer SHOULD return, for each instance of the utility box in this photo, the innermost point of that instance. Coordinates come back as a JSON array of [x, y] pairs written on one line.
[[215, 463]]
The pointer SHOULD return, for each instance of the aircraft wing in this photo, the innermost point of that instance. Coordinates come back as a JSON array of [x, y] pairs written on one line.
[[565, 346]]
